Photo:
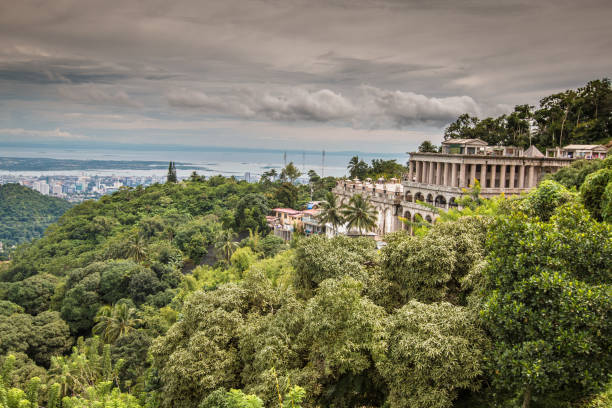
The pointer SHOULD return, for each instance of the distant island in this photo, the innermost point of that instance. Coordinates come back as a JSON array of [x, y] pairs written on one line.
[[46, 164]]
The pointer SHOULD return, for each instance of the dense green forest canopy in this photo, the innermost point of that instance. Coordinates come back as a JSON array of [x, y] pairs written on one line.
[[575, 116], [25, 213], [502, 303]]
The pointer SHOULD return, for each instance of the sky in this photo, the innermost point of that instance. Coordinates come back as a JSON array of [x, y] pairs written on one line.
[[359, 75]]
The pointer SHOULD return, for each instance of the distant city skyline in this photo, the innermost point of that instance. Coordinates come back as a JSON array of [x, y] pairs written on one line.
[[359, 75]]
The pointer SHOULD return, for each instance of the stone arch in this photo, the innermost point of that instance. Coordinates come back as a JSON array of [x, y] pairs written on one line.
[[408, 217], [408, 196], [419, 197], [452, 203], [430, 199], [429, 219], [417, 217], [440, 201]]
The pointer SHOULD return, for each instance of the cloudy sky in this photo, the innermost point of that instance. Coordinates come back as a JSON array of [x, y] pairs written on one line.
[[368, 75]]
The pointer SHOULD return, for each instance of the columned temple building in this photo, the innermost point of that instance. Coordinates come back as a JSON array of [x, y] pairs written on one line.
[[438, 179]]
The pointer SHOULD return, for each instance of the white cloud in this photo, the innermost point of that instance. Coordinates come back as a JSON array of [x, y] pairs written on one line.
[[290, 105], [372, 108], [407, 108]]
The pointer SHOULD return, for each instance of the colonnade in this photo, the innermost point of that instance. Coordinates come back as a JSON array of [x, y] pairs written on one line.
[[449, 174]]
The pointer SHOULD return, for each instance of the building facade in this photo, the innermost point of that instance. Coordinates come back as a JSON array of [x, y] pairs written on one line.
[[438, 179]]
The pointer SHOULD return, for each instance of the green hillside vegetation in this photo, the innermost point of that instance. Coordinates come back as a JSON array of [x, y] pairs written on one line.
[[504, 303], [25, 213], [580, 116]]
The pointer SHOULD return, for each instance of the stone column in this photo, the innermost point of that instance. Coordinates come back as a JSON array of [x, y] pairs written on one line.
[[512, 173], [483, 175], [531, 182], [472, 175], [410, 166], [453, 180], [462, 175], [521, 180], [439, 173], [502, 176], [493, 174], [431, 172], [419, 171], [445, 174]]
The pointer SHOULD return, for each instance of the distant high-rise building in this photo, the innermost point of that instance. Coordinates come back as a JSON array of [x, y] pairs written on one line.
[[247, 177]]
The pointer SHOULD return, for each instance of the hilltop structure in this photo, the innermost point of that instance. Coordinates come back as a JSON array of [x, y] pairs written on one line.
[[438, 179]]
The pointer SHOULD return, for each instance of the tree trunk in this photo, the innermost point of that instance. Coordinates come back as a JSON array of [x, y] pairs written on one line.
[[562, 126], [527, 397]]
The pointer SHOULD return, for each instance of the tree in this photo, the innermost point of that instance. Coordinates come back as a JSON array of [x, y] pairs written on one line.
[[357, 168], [226, 244], [287, 195], [429, 353], [251, 212], [318, 258], [115, 321], [33, 293], [428, 147], [548, 304], [341, 329], [331, 212], [290, 172], [592, 191], [360, 214], [199, 354], [171, 177]]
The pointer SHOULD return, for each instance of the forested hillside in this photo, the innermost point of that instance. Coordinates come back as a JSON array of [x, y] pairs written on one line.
[[579, 116], [504, 303], [25, 213]]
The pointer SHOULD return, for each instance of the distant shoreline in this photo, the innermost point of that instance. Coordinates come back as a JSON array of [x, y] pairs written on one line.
[[48, 164]]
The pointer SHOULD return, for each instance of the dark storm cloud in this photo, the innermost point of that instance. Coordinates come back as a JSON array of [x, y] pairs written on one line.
[[357, 64]]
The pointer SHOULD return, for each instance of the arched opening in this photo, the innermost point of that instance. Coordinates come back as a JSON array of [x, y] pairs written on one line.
[[430, 198], [452, 203], [419, 197], [408, 196], [429, 219], [417, 218], [408, 217], [440, 202]]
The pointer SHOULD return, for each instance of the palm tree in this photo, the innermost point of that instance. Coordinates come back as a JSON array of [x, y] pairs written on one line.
[[136, 248], [226, 244], [360, 214], [331, 212], [115, 321], [353, 166]]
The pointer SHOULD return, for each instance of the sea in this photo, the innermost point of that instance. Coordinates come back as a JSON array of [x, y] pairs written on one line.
[[227, 161]]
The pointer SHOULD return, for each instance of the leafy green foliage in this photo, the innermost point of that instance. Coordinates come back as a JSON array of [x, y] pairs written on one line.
[[549, 303], [543, 201], [593, 189], [579, 116], [318, 258], [25, 213], [429, 353], [378, 169], [430, 268]]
